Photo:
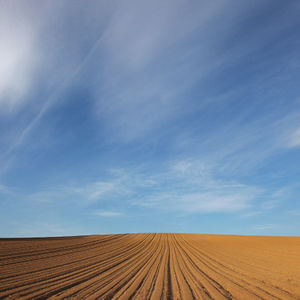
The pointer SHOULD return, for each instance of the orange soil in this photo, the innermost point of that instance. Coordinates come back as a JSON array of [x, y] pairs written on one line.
[[150, 266]]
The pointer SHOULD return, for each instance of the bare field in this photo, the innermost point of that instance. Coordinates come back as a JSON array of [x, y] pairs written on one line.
[[150, 266]]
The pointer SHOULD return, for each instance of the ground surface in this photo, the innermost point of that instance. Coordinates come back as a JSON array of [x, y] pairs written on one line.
[[150, 266]]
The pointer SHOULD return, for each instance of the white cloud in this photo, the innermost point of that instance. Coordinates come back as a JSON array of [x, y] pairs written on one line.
[[92, 191], [294, 139], [19, 55], [42, 48], [107, 214], [214, 202], [252, 214], [46, 197], [140, 32], [186, 186], [265, 227], [4, 189], [147, 68], [81, 194], [47, 228], [200, 202], [270, 204], [293, 212], [190, 187]]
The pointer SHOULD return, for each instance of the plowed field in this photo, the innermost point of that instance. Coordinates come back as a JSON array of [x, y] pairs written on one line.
[[150, 266]]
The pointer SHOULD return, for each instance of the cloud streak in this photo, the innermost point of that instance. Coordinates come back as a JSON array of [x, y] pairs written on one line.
[[190, 187], [19, 56], [143, 79], [107, 214], [294, 139]]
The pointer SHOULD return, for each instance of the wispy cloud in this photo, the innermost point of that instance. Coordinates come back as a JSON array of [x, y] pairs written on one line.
[[294, 139], [192, 188], [147, 69], [186, 186], [249, 215], [293, 212], [157, 106], [19, 56], [147, 72], [39, 61], [77, 193], [47, 228], [266, 227], [107, 214], [4, 189]]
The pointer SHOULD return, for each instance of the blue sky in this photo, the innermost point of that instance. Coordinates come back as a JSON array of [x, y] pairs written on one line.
[[149, 116]]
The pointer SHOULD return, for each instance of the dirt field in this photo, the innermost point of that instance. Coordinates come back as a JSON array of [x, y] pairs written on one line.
[[150, 266]]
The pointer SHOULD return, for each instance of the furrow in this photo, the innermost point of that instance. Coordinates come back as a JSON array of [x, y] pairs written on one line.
[[237, 279], [150, 266]]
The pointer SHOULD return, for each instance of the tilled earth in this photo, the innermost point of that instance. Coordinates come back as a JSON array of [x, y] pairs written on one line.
[[150, 266]]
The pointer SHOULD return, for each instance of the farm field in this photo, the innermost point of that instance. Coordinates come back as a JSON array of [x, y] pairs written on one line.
[[150, 266]]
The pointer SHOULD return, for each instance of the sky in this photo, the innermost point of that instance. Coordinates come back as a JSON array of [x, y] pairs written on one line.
[[149, 116]]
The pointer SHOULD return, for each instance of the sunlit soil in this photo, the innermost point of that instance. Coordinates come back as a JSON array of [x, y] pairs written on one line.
[[150, 266]]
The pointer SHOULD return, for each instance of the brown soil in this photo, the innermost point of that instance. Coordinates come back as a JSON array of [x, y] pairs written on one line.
[[150, 266]]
